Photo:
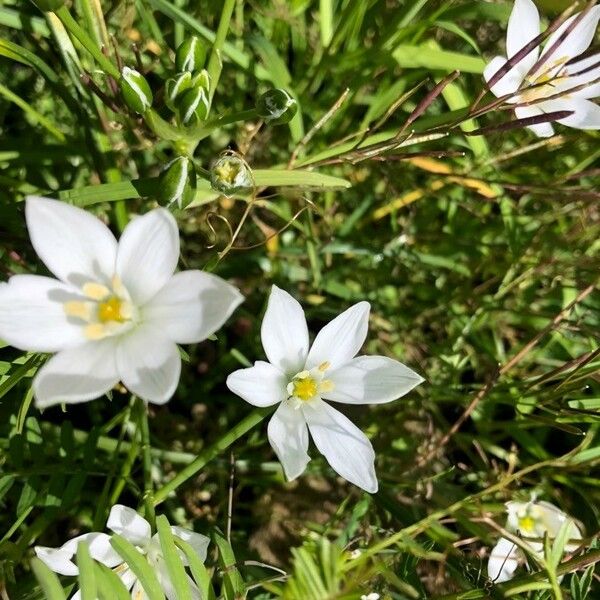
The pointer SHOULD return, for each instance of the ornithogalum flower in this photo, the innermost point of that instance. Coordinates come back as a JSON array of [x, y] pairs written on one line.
[[299, 377], [127, 523], [552, 79], [116, 310], [531, 521]]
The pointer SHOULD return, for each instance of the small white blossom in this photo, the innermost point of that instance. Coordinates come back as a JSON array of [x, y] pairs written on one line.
[[371, 596], [127, 523], [532, 521], [116, 311], [560, 82], [299, 377]]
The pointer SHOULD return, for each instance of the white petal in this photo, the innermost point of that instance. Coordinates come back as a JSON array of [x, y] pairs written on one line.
[[284, 332], [523, 26], [76, 246], [504, 560], [127, 576], [371, 380], [197, 541], [346, 448], [582, 72], [77, 374], [76, 595], [288, 436], [510, 81], [127, 522], [32, 316], [260, 385], [586, 114], [540, 129], [553, 519], [577, 41], [99, 547], [149, 364], [57, 560], [148, 254], [167, 585], [192, 306], [340, 339], [138, 592]]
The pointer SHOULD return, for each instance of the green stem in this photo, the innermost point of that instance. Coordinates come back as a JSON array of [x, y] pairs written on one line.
[[86, 41], [215, 63], [245, 425], [147, 462]]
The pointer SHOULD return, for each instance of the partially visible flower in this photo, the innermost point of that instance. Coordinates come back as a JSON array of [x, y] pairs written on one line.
[[117, 310], [532, 521], [299, 377], [560, 82], [135, 529], [371, 596]]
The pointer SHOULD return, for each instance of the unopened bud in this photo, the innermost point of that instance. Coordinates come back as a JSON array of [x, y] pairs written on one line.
[[193, 106], [202, 79], [176, 86], [190, 55], [178, 182], [231, 175], [49, 5], [136, 91], [276, 106]]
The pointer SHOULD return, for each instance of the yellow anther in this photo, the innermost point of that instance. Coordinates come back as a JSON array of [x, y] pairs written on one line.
[[110, 310], [326, 385], [79, 310], [324, 366], [95, 291], [527, 524], [305, 388], [95, 331]]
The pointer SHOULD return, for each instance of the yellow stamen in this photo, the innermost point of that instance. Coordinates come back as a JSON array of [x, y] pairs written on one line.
[[324, 366], [95, 331], [305, 388], [527, 524], [326, 385], [95, 291], [79, 310], [110, 310]]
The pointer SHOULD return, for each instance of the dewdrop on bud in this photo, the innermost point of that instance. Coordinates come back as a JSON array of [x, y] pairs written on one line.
[[190, 55], [178, 182], [276, 106], [231, 175], [49, 5], [175, 86], [193, 106], [136, 91]]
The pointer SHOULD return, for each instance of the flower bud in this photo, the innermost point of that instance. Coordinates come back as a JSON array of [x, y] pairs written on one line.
[[136, 91], [190, 55], [231, 175], [193, 106], [49, 5], [276, 106], [202, 79], [175, 86], [178, 182]]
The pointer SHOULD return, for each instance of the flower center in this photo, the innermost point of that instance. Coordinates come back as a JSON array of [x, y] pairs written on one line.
[[527, 524], [309, 385], [105, 312]]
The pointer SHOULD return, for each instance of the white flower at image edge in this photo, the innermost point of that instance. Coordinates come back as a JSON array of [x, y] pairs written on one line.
[[532, 521], [116, 311], [299, 379], [135, 529], [558, 74]]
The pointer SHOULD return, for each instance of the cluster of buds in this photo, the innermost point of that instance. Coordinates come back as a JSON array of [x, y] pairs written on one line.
[[187, 92]]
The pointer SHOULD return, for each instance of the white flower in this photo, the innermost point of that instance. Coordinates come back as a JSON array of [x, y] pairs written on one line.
[[135, 529], [299, 379], [532, 520], [558, 74], [371, 596], [116, 312]]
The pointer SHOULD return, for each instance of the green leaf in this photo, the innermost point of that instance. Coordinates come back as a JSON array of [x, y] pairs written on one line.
[[48, 581], [297, 178], [175, 567], [233, 584], [110, 586], [199, 572], [140, 567], [417, 57], [87, 577]]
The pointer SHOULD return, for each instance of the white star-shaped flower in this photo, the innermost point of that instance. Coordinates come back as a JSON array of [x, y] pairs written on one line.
[[570, 82], [532, 521], [127, 523], [116, 311], [300, 377]]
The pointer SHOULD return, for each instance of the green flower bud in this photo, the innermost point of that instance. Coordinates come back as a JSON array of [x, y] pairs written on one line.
[[49, 5], [202, 79], [231, 175], [178, 182], [276, 106], [193, 106], [175, 87], [136, 91], [190, 55]]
